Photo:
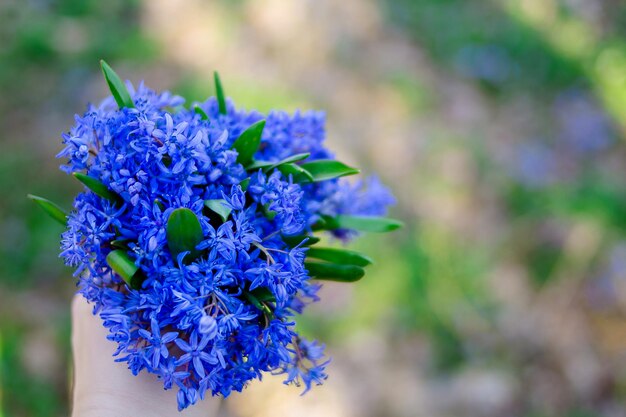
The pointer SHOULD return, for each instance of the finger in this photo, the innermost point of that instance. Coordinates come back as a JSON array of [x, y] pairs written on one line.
[[105, 388]]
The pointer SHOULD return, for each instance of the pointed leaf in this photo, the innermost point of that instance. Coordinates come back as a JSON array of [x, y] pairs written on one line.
[[291, 159], [270, 214], [334, 272], [294, 241], [254, 301], [298, 174], [219, 93], [122, 264], [244, 184], [248, 143], [268, 166], [97, 187], [219, 207], [117, 87], [201, 112], [363, 223], [263, 294], [184, 233], [321, 224], [52, 209], [137, 280], [339, 256], [119, 243], [159, 204], [327, 169], [255, 165]]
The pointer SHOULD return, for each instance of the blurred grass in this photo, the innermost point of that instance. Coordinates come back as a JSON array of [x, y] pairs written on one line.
[[2, 373], [250, 95], [31, 395], [455, 32], [49, 50]]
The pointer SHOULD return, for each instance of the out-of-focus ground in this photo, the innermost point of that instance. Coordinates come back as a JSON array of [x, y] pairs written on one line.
[[500, 126]]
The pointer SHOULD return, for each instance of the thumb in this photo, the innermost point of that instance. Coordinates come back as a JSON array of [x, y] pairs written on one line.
[[105, 388]]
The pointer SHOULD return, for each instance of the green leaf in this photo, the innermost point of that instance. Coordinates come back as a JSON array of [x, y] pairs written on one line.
[[97, 187], [52, 209], [259, 164], [255, 301], [334, 272], [270, 214], [119, 243], [327, 169], [340, 256], [362, 223], [201, 112], [291, 159], [122, 264], [263, 294], [248, 143], [321, 224], [219, 93], [159, 203], [294, 241], [298, 174], [184, 233], [117, 87], [268, 166], [137, 280], [218, 207], [244, 184]]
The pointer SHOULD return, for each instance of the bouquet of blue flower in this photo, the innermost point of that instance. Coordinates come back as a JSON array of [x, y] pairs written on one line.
[[195, 239]]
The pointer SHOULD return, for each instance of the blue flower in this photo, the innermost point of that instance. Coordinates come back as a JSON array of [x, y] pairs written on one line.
[[213, 322], [157, 342], [208, 326], [170, 374], [309, 365], [195, 353]]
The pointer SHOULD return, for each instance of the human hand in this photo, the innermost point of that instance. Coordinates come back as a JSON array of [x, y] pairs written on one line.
[[105, 388]]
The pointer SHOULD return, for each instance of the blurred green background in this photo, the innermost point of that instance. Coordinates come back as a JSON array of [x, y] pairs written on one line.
[[499, 124]]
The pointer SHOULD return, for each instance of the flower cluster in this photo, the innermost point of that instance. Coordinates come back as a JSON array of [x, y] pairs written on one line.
[[194, 236]]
